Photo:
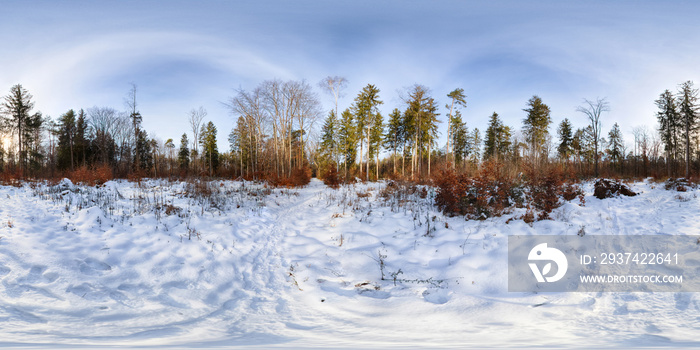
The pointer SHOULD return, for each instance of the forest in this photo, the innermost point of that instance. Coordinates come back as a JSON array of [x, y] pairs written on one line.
[[282, 135]]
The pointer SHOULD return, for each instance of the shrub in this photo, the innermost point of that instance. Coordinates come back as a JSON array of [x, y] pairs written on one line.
[[450, 191], [488, 194], [545, 187], [300, 177], [492, 192], [91, 177], [330, 177]]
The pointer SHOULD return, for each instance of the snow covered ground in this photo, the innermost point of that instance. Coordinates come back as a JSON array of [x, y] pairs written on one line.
[[145, 264]]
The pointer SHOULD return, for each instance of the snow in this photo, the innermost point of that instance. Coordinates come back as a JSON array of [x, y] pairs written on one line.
[[129, 264]]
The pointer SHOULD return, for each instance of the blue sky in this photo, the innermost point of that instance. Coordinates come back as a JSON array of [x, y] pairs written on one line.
[[186, 54]]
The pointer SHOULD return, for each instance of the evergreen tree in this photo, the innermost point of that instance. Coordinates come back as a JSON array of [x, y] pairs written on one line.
[[497, 141], [460, 137], [669, 125], [365, 110], [329, 137], [347, 139], [33, 142], [81, 145], [66, 141], [421, 121], [243, 142], [566, 138], [394, 137], [688, 112], [475, 145], [536, 127], [183, 155], [136, 119], [210, 151], [616, 145], [18, 118], [143, 151], [457, 97], [375, 141]]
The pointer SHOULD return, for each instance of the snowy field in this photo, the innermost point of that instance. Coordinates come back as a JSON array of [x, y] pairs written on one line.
[[147, 264]]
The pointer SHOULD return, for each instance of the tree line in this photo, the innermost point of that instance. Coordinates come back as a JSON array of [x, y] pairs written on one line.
[[280, 127]]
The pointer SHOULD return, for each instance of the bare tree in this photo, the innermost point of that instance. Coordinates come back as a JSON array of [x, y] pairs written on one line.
[[307, 109], [641, 147], [248, 105], [102, 121], [593, 111], [123, 139], [334, 86], [196, 116]]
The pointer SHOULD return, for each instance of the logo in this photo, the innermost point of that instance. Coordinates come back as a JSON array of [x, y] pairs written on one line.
[[542, 253]]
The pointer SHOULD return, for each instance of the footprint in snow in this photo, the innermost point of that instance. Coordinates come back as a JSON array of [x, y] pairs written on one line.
[[439, 296], [37, 275], [94, 267]]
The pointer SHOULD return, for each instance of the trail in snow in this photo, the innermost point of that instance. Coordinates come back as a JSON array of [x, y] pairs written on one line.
[[80, 276]]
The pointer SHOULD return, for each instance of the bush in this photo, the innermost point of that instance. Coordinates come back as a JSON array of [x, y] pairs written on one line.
[[488, 194], [330, 177], [492, 192], [300, 177], [545, 187], [91, 177]]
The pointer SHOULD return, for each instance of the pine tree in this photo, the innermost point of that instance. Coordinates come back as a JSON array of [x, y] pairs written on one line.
[[457, 96], [81, 139], [460, 138], [33, 142], [329, 137], [475, 145], [497, 141], [615, 145], [669, 126], [18, 118], [421, 121], [183, 155], [143, 151], [365, 110], [688, 110], [536, 126], [140, 140], [393, 139], [566, 137], [347, 139], [66, 141], [210, 151], [375, 141]]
